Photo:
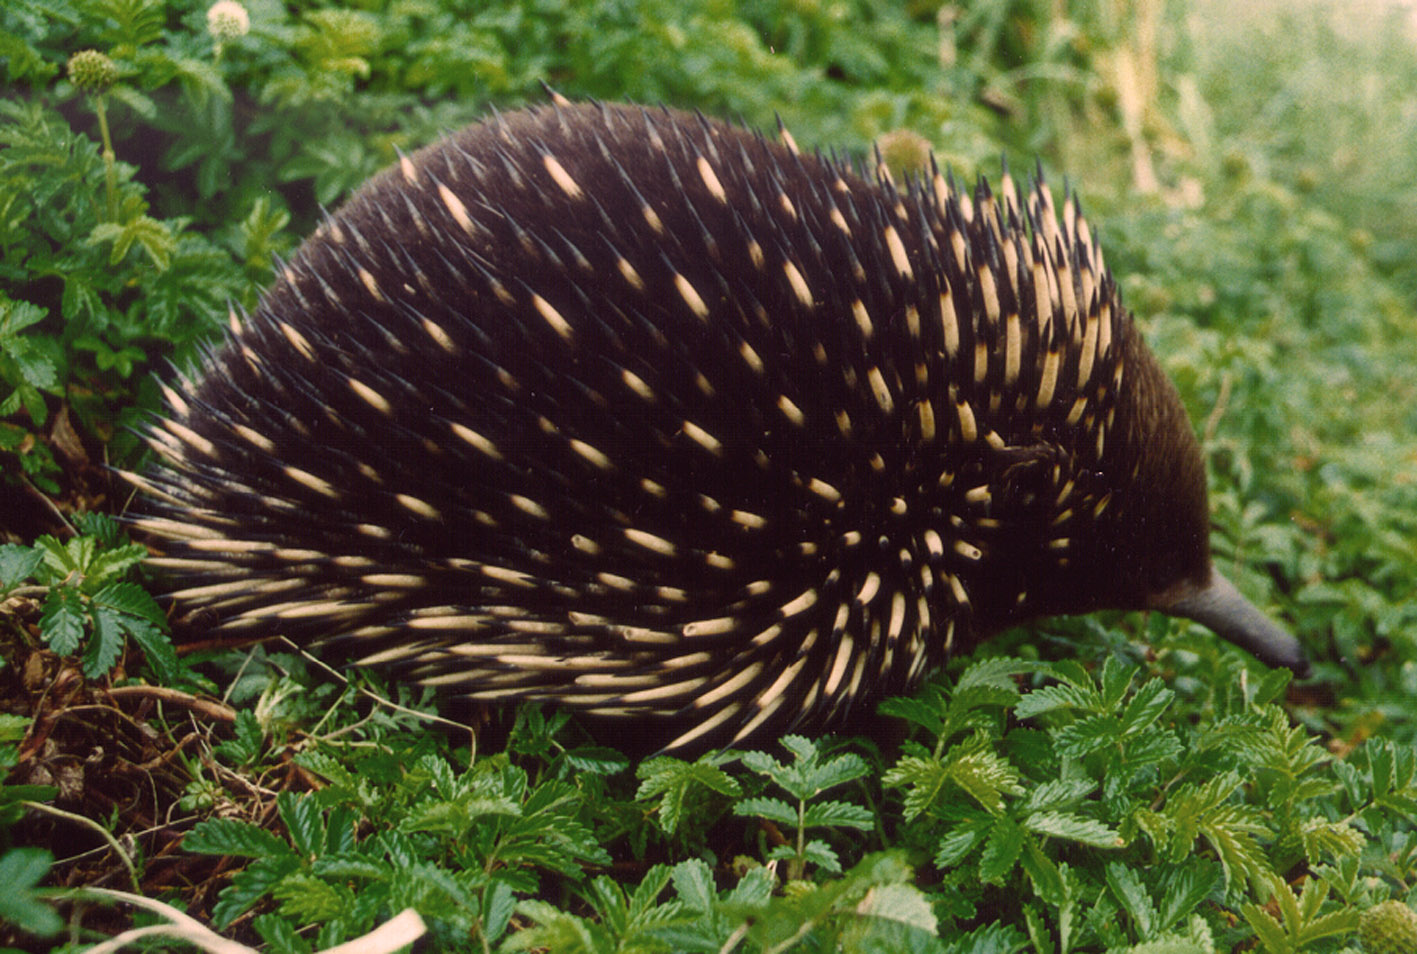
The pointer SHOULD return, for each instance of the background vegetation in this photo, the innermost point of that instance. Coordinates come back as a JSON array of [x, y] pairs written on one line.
[[1113, 783]]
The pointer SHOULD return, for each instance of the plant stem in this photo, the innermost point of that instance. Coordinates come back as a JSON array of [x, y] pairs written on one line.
[[110, 171]]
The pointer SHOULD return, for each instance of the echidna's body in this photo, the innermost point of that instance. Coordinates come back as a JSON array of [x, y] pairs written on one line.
[[641, 413]]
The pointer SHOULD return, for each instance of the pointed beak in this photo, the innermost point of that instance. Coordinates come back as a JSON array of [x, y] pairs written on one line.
[[1221, 607]]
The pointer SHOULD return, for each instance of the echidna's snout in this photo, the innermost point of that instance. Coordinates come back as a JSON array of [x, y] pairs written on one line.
[[1225, 610]]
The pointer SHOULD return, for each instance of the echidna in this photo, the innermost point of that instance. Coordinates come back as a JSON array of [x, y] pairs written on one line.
[[644, 414]]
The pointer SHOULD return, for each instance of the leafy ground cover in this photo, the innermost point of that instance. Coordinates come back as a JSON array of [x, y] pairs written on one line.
[[1100, 784]]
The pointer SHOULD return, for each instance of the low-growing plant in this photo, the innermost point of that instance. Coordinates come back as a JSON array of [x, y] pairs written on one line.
[[88, 599]]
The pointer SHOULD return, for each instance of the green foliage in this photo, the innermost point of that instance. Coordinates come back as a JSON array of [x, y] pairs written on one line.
[[20, 871], [1106, 820], [1034, 806], [685, 794], [89, 600], [454, 846], [95, 287], [807, 776], [1300, 923]]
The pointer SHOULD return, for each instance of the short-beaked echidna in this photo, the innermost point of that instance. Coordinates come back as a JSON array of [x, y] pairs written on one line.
[[637, 412]]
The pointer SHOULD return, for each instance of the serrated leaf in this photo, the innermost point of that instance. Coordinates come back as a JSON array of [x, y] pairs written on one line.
[[1146, 705], [499, 904], [1087, 735], [114, 561], [900, 902], [1058, 792], [837, 815], [17, 564], [1231, 830], [105, 643], [1001, 850], [306, 898], [250, 885], [227, 836], [986, 776], [995, 938], [998, 672], [130, 599], [960, 840], [62, 622], [154, 237], [693, 882], [63, 560], [1184, 888], [1322, 838], [822, 855], [1114, 679], [596, 761], [1056, 698], [924, 779], [13, 727], [674, 782], [303, 823], [753, 890], [772, 809], [349, 866], [1151, 745], [1073, 828], [1127, 888], [21, 870], [925, 713], [279, 934]]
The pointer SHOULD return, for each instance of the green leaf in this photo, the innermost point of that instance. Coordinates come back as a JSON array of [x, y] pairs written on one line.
[[62, 622], [21, 870], [956, 844], [303, 823], [1126, 886], [901, 902], [1146, 706], [1057, 698], [155, 238], [678, 784], [106, 643], [693, 882], [1072, 827], [984, 774], [1087, 735], [821, 854], [1231, 830], [1184, 888], [1001, 850], [924, 779], [1057, 793], [113, 561], [17, 564], [250, 885], [305, 898], [247, 745], [772, 809], [838, 815], [227, 836], [499, 905]]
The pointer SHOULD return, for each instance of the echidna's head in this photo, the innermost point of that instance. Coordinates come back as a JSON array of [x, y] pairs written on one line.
[[1121, 522]]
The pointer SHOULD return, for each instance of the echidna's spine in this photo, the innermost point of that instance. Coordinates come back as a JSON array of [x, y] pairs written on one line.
[[638, 412]]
